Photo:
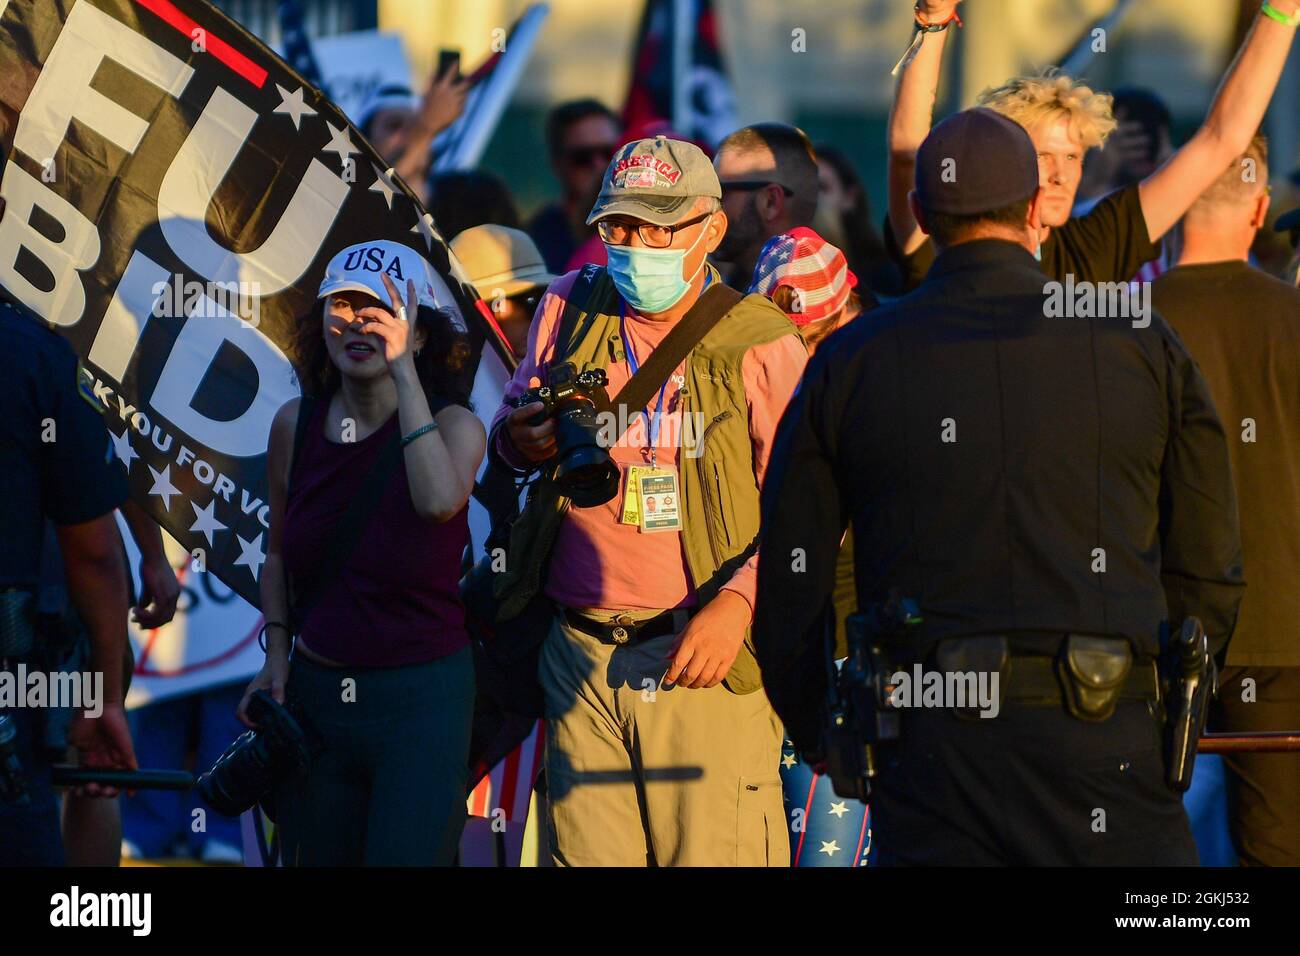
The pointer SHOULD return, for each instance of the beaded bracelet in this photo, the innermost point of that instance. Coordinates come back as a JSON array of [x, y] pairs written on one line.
[[422, 430]]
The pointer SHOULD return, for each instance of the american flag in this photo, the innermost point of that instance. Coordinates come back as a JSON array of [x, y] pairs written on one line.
[[510, 784]]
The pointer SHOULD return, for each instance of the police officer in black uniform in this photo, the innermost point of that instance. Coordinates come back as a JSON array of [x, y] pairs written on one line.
[[56, 462], [1053, 494]]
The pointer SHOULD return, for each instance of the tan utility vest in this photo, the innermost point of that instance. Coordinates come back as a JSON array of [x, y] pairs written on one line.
[[719, 489]]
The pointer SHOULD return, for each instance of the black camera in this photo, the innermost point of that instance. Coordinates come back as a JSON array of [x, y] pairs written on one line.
[[257, 760], [584, 472]]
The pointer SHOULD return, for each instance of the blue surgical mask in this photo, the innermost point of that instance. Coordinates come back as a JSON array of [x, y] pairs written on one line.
[[650, 280]]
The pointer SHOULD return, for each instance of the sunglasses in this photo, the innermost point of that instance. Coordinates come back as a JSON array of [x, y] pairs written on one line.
[[749, 185], [589, 155], [528, 301]]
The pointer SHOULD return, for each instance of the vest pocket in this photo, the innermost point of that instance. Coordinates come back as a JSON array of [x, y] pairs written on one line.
[[723, 499]]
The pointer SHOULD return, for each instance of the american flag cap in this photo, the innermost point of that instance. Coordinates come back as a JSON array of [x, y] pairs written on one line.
[[807, 263]]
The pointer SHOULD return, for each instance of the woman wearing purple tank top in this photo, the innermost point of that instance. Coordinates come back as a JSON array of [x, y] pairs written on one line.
[[381, 669]]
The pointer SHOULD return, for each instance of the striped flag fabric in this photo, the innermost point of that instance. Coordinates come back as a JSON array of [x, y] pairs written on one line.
[[509, 786]]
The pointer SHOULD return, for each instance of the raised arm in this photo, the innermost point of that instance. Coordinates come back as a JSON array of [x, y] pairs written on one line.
[[910, 119], [1234, 118]]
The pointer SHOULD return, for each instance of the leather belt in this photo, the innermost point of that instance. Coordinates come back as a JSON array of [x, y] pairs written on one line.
[[622, 629]]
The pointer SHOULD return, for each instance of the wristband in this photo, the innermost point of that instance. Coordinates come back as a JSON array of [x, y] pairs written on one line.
[[1273, 12], [921, 27], [925, 26], [422, 430]]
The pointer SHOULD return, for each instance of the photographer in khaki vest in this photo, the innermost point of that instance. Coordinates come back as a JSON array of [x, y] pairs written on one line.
[[661, 747]]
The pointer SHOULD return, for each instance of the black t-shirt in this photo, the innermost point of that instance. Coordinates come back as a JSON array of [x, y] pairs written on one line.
[[1243, 329], [1108, 244], [56, 457]]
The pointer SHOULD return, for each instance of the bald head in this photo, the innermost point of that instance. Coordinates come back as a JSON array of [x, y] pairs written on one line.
[[1240, 185], [1222, 223]]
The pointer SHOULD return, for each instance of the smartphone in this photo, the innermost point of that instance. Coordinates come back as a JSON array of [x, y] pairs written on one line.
[[448, 59]]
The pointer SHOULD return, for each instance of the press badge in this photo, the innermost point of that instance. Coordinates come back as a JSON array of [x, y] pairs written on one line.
[[660, 502], [632, 495]]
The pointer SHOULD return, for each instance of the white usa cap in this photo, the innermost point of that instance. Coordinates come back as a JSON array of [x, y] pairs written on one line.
[[359, 268]]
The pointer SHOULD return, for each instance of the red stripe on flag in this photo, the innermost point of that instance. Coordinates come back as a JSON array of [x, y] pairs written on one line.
[[807, 809], [223, 51], [509, 782]]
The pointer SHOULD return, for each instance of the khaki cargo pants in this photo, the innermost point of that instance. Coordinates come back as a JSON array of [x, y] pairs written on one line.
[[642, 775]]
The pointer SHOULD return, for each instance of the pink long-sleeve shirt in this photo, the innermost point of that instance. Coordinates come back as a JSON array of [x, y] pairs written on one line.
[[599, 562]]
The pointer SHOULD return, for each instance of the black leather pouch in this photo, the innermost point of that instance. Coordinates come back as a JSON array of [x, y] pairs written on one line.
[[1092, 672], [974, 659]]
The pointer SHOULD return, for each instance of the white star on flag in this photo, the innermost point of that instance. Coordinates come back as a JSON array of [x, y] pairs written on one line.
[[250, 555], [340, 143], [122, 447], [788, 761], [162, 485], [205, 521], [291, 104], [383, 185], [424, 226], [838, 809], [831, 848]]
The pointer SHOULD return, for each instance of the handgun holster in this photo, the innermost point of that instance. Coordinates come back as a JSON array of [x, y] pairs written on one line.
[[1092, 672]]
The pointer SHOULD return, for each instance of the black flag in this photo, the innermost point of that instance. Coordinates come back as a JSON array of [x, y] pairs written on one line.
[[174, 191]]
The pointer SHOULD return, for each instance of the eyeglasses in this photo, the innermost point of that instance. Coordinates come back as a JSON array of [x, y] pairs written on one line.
[[618, 232], [749, 185], [589, 155]]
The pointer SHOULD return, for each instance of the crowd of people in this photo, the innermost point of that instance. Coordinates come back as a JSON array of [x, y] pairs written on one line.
[[835, 414]]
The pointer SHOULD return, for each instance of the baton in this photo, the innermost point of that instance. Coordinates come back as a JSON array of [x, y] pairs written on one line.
[[67, 775], [1270, 741]]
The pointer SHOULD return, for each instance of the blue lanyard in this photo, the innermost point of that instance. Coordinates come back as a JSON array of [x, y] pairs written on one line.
[[652, 422]]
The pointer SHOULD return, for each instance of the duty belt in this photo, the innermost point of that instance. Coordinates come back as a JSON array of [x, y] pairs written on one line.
[[622, 629], [1035, 678], [1087, 673]]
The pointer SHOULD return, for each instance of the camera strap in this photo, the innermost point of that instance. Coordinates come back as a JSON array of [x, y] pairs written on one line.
[[716, 301], [347, 533]]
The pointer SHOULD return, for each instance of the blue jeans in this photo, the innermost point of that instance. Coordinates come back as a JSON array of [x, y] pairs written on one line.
[[389, 786]]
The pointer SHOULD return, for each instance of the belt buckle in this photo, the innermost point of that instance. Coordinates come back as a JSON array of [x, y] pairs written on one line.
[[623, 629]]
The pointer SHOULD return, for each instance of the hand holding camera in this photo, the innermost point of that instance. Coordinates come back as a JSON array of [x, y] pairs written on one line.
[[563, 419], [535, 442]]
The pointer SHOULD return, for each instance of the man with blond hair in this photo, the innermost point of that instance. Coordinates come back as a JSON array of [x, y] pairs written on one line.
[[1065, 118], [1242, 327]]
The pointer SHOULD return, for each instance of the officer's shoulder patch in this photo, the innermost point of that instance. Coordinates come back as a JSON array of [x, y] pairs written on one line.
[[86, 388]]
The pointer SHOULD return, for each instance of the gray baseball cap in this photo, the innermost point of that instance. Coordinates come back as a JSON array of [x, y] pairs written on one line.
[[655, 180]]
